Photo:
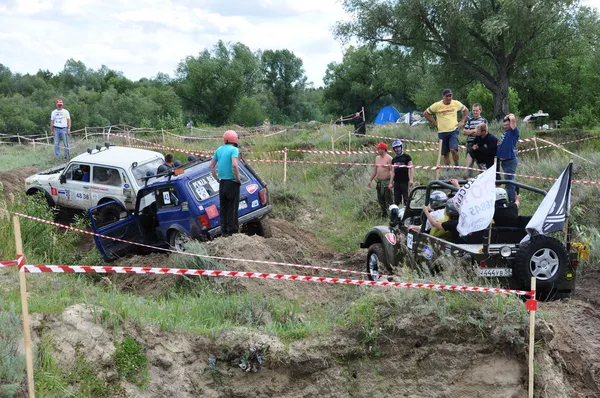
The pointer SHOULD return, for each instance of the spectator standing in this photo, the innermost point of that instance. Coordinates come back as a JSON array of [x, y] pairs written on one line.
[[383, 164], [402, 178], [446, 113], [470, 126], [507, 152], [224, 168], [359, 124], [60, 128], [485, 147]]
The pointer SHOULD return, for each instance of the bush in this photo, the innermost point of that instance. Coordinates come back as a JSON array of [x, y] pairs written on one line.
[[12, 364], [131, 362]]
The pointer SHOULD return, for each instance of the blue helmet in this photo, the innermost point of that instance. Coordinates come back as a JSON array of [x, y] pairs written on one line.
[[397, 143]]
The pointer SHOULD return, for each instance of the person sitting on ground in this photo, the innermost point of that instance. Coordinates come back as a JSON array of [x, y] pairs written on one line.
[[506, 214]]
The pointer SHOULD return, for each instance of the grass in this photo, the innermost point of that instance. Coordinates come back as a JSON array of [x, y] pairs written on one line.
[[333, 201], [12, 362]]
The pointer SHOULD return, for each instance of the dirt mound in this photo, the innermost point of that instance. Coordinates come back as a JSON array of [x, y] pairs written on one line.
[[14, 180], [407, 362], [151, 285]]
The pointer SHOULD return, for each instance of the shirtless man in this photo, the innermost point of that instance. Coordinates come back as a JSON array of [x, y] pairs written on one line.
[[382, 170]]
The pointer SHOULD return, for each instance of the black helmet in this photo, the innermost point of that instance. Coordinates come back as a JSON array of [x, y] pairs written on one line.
[[451, 210], [437, 199]]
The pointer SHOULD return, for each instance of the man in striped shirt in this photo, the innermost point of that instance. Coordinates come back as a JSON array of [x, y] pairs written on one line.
[[470, 132]]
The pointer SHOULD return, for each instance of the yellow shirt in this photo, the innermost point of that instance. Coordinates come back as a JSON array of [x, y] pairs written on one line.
[[440, 233], [446, 115]]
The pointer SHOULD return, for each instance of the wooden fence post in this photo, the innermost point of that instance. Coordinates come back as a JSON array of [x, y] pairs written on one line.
[[537, 152], [531, 340], [25, 308], [439, 158], [285, 151]]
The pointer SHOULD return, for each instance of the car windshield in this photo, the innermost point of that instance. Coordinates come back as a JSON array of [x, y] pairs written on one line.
[[141, 170]]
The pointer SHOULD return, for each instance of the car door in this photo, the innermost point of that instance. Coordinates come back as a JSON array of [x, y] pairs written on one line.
[[173, 211], [126, 230], [106, 182], [74, 190]]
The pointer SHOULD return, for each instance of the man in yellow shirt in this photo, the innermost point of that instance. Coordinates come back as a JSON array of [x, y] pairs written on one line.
[[446, 112]]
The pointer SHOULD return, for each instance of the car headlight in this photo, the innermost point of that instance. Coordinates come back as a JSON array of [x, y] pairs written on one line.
[[505, 251]]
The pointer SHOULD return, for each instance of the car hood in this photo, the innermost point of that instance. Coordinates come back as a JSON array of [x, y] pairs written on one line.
[[41, 179]]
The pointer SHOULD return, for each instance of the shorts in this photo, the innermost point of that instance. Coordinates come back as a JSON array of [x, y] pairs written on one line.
[[470, 150], [449, 141]]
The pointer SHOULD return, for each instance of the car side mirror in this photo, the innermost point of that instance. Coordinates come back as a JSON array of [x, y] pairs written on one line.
[[62, 179]]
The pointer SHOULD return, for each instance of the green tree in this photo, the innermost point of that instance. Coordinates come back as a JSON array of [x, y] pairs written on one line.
[[368, 77], [284, 77], [212, 84], [488, 41]]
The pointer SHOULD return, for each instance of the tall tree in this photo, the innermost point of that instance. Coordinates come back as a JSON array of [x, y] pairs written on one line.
[[284, 77], [368, 77], [487, 40], [212, 84]]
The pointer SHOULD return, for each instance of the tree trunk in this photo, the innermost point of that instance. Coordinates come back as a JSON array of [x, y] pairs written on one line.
[[500, 94]]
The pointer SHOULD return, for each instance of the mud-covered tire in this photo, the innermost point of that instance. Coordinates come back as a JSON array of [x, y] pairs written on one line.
[[178, 239], [260, 227], [108, 214], [49, 201], [377, 262], [543, 257]]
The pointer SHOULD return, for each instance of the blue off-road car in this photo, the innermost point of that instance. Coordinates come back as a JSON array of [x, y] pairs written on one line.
[[178, 205]]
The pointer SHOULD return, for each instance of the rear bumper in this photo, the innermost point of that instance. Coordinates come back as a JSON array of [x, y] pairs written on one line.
[[254, 216]]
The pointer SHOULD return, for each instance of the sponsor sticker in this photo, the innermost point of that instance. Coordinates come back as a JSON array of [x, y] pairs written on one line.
[[125, 185], [255, 203], [448, 250], [212, 212], [391, 238], [428, 252], [185, 206], [251, 188], [53, 191], [409, 241], [166, 198], [202, 192]]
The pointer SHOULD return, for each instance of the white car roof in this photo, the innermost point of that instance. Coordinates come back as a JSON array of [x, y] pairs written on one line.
[[118, 156]]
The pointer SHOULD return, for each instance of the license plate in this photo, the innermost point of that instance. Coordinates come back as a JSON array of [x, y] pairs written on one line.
[[242, 205], [495, 272]]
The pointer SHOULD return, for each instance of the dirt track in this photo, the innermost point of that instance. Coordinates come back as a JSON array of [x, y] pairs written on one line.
[[420, 356]]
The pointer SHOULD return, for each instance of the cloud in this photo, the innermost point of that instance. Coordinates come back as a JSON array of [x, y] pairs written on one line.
[[144, 37]]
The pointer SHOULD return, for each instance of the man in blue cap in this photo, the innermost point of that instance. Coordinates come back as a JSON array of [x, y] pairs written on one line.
[[402, 173]]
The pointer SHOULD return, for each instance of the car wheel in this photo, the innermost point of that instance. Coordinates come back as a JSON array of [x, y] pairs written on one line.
[[178, 239], [49, 200], [261, 227], [544, 258], [108, 214], [377, 262]]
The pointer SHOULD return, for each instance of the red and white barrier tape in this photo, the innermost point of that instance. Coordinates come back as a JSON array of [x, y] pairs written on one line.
[[336, 270], [352, 152], [18, 262], [257, 275]]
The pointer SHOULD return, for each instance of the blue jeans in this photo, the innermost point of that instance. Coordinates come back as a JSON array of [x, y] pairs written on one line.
[[510, 166], [449, 141], [60, 133]]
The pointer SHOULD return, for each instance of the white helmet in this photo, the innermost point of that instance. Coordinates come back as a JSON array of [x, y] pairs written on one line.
[[501, 194], [437, 199]]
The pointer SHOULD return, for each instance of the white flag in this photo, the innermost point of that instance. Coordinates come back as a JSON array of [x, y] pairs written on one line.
[[552, 213], [475, 202]]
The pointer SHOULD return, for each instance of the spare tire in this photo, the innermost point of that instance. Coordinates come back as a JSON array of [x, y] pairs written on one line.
[[544, 258]]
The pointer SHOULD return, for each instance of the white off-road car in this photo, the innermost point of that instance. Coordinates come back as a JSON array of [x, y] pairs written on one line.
[[109, 173]]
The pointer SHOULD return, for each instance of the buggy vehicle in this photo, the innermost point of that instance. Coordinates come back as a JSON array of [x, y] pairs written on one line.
[[106, 174], [178, 205], [495, 252]]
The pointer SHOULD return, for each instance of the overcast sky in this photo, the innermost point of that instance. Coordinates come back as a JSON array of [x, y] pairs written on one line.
[[144, 37]]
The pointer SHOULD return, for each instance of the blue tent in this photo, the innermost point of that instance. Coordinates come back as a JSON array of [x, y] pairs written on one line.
[[387, 114]]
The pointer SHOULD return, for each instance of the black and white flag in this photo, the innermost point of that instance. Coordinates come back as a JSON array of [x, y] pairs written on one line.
[[552, 213]]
